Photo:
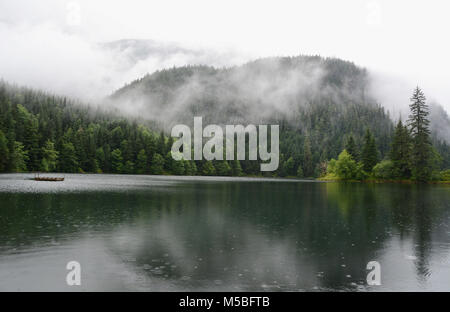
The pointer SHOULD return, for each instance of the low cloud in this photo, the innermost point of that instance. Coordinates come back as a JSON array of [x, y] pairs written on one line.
[[48, 57]]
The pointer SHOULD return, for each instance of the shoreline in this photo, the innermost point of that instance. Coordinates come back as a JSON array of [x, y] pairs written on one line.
[[375, 181], [289, 178]]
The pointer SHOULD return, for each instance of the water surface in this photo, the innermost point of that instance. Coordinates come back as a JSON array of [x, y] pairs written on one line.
[[154, 233]]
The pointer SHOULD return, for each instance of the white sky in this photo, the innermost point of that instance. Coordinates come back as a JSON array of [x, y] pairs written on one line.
[[405, 38]]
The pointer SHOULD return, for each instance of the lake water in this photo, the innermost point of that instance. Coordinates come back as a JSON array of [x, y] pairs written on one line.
[[155, 233]]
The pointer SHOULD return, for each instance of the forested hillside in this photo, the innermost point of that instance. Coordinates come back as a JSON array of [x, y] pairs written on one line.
[[320, 104]]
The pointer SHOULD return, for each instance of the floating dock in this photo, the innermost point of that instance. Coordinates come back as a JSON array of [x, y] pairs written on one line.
[[51, 179]]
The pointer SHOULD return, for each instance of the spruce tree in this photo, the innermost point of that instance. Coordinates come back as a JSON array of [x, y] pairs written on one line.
[[400, 153], [157, 164], [49, 156], [68, 161], [141, 164], [117, 160], [308, 166], [4, 152], [421, 146], [19, 158], [236, 169], [208, 168], [352, 148], [369, 153]]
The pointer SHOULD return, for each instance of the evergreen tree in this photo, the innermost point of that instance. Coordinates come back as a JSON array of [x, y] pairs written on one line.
[[190, 168], [31, 139], [162, 144], [68, 161], [128, 167], [223, 168], [178, 167], [84, 139], [351, 148], [169, 162], [4, 152], [157, 164], [400, 153], [421, 145], [208, 169], [19, 158], [300, 172], [100, 158], [236, 169], [117, 161], [308, 167], [141, 164], [369, 153], [49, 157], [289, 166]]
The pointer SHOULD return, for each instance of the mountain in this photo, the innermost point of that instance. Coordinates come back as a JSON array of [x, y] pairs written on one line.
[[137, 56], [319, 104], [137, 50], [324, 99]]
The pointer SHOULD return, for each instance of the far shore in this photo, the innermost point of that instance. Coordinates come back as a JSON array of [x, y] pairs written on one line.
[[288, 178]]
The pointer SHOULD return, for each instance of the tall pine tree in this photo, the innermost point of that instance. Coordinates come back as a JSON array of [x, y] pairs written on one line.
[[421, 146], [351, 148], [308, 167], [369, 153], [400, 153]]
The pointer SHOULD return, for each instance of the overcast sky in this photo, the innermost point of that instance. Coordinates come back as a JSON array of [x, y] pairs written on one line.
[[407, 39]]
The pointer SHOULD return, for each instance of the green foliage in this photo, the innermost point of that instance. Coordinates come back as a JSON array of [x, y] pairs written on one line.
[[223, 168], [445, 175], [157, 164], [49, 157], [236, 169], [19, 158], [177, 167], [128, 167], [331, 167], [208, 168], [369, 155], [300, 172], [346, 168], [141, 163], [117, 161], [190, 168], [287, 167], [4, 152], [351, 148], [385, 170], [68, 161], [421, 146], [46, 132], [308, 166], [325, 119], [100, 157], [400, 153]]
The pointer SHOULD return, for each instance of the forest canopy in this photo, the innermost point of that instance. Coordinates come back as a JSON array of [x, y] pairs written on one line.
[[44, 132]]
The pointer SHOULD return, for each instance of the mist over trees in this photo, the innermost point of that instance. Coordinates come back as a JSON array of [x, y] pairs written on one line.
[[411, 156], [321, 105]]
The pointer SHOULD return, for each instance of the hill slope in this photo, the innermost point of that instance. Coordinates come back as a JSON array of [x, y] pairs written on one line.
[[324, 99]]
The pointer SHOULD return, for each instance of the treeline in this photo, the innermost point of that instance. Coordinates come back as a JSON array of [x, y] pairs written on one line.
[[411, 156], [45, 133], [313, 129], [42, 132]]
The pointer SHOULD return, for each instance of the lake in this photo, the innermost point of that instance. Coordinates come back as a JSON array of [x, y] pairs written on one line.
[[163, 233]]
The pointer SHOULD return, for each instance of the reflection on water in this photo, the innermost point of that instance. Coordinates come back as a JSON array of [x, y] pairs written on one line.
[[167, 233]]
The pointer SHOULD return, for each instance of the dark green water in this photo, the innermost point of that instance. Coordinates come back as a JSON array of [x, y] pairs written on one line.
[[168, 233]]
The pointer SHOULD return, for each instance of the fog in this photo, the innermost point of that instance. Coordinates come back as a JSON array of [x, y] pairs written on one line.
[[60, 46], [45, 57]]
